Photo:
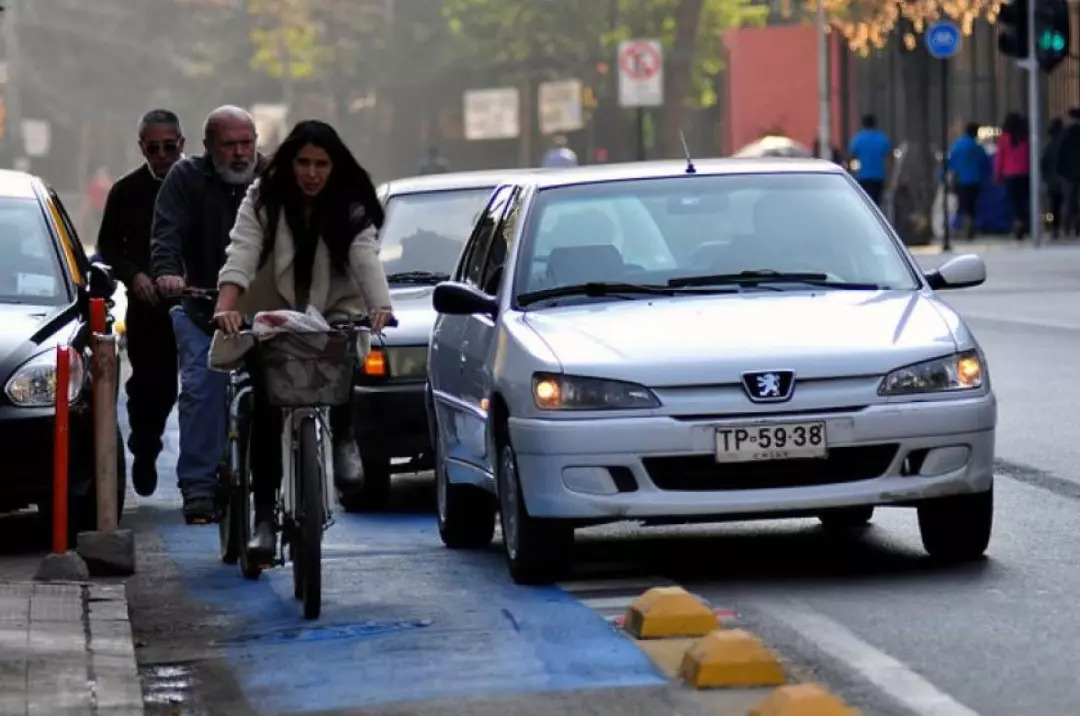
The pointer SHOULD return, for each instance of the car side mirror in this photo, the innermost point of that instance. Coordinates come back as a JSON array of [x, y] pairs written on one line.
[[961, 272], [458, 299], [101, 283]]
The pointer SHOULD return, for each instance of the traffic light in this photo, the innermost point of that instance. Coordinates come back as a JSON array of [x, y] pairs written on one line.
[[1051, 33], [1013, 38]]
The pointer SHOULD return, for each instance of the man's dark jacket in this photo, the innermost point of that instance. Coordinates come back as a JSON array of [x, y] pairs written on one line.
[[124, 237], [193, 216]]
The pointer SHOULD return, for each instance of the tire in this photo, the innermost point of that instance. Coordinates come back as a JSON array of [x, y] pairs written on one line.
[[847, 518], [310, 520], [245, 509], [374, 494], [231, 496], [538, 551], [466, 514], [957, 529]]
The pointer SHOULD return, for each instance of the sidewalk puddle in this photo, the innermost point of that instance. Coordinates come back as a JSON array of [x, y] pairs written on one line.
[[329, 632], [169, 689]]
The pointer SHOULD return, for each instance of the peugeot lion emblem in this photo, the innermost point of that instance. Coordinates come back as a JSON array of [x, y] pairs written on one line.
[[769, 386]]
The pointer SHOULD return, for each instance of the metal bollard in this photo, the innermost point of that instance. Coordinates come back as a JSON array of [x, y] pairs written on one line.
[[60, 453], [103, 366]]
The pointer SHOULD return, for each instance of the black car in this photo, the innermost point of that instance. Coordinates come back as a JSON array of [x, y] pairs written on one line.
[[46, 283]]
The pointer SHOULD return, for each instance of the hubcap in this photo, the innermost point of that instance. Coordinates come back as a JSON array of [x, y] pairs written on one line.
[[508, 501]]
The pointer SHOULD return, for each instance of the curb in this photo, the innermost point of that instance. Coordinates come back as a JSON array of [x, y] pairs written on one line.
[[687, 642]]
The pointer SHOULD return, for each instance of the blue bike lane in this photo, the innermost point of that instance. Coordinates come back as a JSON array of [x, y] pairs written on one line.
[[404, 619]]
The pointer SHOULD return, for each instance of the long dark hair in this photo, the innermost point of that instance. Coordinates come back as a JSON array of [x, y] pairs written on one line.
[[1016, 127], [346, 206]]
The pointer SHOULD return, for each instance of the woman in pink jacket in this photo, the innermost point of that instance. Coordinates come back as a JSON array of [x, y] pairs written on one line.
[[1012, 167]]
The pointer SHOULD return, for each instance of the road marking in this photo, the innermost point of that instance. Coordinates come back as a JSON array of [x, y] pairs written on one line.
[[885, 672], [608, 602], [1021, 321], [595, 585]]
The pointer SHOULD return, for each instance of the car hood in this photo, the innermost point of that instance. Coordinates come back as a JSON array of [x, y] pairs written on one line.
[[19, 323], [415, 313], [709, 340]]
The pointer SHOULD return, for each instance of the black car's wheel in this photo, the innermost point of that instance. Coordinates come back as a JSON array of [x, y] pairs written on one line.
[[538, 551], [374, 493], [310, 520], [847, 518], [82, 496], [957, 529]]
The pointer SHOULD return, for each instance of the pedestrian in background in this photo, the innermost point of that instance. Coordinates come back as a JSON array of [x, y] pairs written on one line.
[[1068, 169], [871, 148], [124, 243], [1012, 167], [194, 214], [560, 155], [1055, 184], [969, 166]]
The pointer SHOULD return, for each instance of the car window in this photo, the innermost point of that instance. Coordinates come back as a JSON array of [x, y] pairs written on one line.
[[425, 231], [29, 266], [472, 263], [491, 276], [655, 230]]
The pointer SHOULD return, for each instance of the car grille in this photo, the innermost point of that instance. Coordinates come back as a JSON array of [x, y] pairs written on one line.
[[702, 472]]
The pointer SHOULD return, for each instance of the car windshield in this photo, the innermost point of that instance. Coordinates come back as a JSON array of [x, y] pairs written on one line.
[[772, 231], [29, 269], [425, 231]]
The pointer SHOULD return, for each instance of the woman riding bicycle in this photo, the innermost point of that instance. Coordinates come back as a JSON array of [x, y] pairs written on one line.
[[305, 235]]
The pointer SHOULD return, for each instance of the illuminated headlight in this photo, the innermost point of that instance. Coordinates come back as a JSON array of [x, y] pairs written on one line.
[[566, 392], [407, 362], [961, 371], [34, 383]]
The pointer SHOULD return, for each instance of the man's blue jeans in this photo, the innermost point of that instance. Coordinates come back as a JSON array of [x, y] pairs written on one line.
[[203, 394]]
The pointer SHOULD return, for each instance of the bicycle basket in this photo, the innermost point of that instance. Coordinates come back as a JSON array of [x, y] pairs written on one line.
[[307, 369]]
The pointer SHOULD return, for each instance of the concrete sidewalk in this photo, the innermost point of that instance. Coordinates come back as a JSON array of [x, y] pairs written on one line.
[[66, 648]]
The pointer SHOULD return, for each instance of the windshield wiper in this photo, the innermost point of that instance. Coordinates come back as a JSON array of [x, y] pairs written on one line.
[[768, 276], [598, 289], [420, 277]]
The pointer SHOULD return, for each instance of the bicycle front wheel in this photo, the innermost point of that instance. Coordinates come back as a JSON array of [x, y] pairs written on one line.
[[310, 518]]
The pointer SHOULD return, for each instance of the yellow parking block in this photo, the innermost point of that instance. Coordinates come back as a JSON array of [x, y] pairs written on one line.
[[731, 658], [669, 612], [802, 700]]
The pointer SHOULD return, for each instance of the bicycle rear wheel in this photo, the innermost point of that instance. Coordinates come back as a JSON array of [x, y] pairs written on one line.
[[244, 513], [310, 518]]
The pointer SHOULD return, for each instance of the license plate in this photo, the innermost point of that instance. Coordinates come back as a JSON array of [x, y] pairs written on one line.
[[787, 441]]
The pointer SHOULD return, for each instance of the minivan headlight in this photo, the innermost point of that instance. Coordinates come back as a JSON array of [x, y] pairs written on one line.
[[33, 385], [566, 392], [960, 371]]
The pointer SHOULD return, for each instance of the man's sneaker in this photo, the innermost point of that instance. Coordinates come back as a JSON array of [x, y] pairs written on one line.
[[348, 467], [199, 510], [144, 476]]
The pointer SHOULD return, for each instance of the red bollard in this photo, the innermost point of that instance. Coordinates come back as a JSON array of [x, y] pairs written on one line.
[[97, 315], [60, 453]]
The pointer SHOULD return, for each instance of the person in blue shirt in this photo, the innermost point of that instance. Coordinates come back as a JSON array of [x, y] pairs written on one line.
[[560, 155], [871, 148], [970, 167]]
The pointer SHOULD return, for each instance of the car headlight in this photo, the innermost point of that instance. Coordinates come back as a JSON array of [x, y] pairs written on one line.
[[566, 392], [407, 361], [33, 384], [960, 371]]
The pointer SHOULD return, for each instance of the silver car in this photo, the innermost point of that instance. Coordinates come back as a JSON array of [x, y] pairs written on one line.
[[428, 219], [746, 340]]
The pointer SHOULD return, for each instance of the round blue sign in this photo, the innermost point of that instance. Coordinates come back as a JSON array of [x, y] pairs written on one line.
[[943, 39]]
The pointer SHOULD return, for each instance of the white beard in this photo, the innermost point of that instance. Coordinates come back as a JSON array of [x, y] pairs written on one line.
[[231, 176]]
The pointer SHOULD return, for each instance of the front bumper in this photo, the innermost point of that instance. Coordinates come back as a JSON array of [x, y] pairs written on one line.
[[27, 474], [660, 467], [390, 420]]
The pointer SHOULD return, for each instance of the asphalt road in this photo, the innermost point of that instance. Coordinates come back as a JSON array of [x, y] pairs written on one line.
[[407, 621]]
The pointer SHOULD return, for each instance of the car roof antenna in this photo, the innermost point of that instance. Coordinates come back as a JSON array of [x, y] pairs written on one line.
[[690, 169]]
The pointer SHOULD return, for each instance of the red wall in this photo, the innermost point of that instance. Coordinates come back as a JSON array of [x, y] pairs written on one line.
[[772, 84]]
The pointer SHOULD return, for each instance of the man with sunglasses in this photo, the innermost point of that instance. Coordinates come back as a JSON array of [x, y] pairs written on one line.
[[124, 243]]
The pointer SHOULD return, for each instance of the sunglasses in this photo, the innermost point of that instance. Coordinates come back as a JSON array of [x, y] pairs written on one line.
[[166, 147]]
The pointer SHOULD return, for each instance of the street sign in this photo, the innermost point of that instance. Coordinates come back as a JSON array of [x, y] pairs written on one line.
[[641, 73], [492, 114], [943, 39], [560, 106]]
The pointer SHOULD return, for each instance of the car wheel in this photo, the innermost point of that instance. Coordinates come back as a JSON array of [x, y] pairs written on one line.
[[847, 518], [374, 493], [466, 513], [957, 528], [538, 551]]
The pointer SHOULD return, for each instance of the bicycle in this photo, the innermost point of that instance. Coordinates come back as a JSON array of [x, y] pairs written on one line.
[[303, 374]]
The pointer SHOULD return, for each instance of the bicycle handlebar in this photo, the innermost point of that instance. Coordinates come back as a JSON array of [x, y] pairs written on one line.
[[211, 294]]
